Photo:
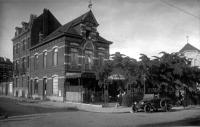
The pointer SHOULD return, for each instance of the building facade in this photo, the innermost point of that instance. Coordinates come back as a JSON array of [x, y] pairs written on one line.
[[64, 59], [24, 38], [6, 72]]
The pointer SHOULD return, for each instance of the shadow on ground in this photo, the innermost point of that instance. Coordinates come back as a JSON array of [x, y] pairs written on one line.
[[194, 121], [11, 108]]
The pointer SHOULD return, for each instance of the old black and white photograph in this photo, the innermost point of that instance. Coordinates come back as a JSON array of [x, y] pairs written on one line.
[[99, 63]]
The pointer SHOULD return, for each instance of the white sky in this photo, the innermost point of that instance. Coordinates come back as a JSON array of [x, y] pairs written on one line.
[[134, 26]]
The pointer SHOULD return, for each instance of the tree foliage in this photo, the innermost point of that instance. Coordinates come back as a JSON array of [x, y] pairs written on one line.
[[167, 72]]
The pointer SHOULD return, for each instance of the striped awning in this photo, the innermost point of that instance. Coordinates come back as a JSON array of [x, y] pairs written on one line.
[[116, 77], [73, 75]]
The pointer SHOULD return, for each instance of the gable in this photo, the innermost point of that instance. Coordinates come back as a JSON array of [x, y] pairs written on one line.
[[189, 47], [90, 20]]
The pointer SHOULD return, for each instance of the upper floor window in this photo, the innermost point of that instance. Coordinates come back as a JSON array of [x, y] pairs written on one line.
[[17, 66], [27, 61], [55, 56], [89, 59], [17, 48], [36, 61], [23, 63], [101, 59], [28, 42], [16, 85], [45, 59], [74, 56], [14, 50], [23, 45]]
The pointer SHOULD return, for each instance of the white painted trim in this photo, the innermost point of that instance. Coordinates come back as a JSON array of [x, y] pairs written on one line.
[[54, 47], [44, 50], [55, 75]]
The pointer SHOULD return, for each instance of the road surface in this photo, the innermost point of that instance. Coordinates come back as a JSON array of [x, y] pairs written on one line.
[[74, 118]]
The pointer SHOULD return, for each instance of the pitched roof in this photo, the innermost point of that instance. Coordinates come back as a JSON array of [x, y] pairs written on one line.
[[68, 27], [189, 47]]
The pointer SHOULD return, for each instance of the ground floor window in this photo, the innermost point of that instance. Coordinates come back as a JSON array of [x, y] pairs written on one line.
[[44, 86], [55, 85], [36, 86]]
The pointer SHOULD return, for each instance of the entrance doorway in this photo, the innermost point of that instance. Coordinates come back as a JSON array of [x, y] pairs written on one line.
[[114, 88]]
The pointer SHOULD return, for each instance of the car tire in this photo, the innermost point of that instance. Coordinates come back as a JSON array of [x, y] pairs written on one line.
[[147, 108], [134, 109]]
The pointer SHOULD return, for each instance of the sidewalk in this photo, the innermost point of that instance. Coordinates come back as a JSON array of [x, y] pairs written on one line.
[[80, 106]]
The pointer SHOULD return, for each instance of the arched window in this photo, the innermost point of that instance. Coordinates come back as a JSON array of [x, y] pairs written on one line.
[[88, 59], [45, 59], [89, 49], [36, 86], [55, 56], [55, 85]]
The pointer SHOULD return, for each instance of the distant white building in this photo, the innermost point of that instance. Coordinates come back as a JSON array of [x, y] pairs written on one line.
[[192, 54]]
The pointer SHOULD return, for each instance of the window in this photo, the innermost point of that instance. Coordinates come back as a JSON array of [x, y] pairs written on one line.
[[28, 83], [101, 59], [36, 86], [17, 48], [55, 85], [55, 56], [16, 82], [45, 59], [22, 82], [88, 59], [27, 61], [74, 56], [14, 49], [44, 86], [17, 66], [23, 64], [36, 61], [28, 42], [23, 45]]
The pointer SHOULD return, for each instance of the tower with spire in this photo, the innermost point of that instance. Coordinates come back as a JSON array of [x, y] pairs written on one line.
[[191, 53]]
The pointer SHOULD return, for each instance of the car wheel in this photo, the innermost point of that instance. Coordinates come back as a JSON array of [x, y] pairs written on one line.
[[134, 109], [147, 108]]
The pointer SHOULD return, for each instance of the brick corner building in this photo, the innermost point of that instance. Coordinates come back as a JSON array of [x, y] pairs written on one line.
[[59, 62], [6, 71]]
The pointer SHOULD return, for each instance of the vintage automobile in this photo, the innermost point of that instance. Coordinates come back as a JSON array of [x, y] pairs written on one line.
[[150, 103]]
